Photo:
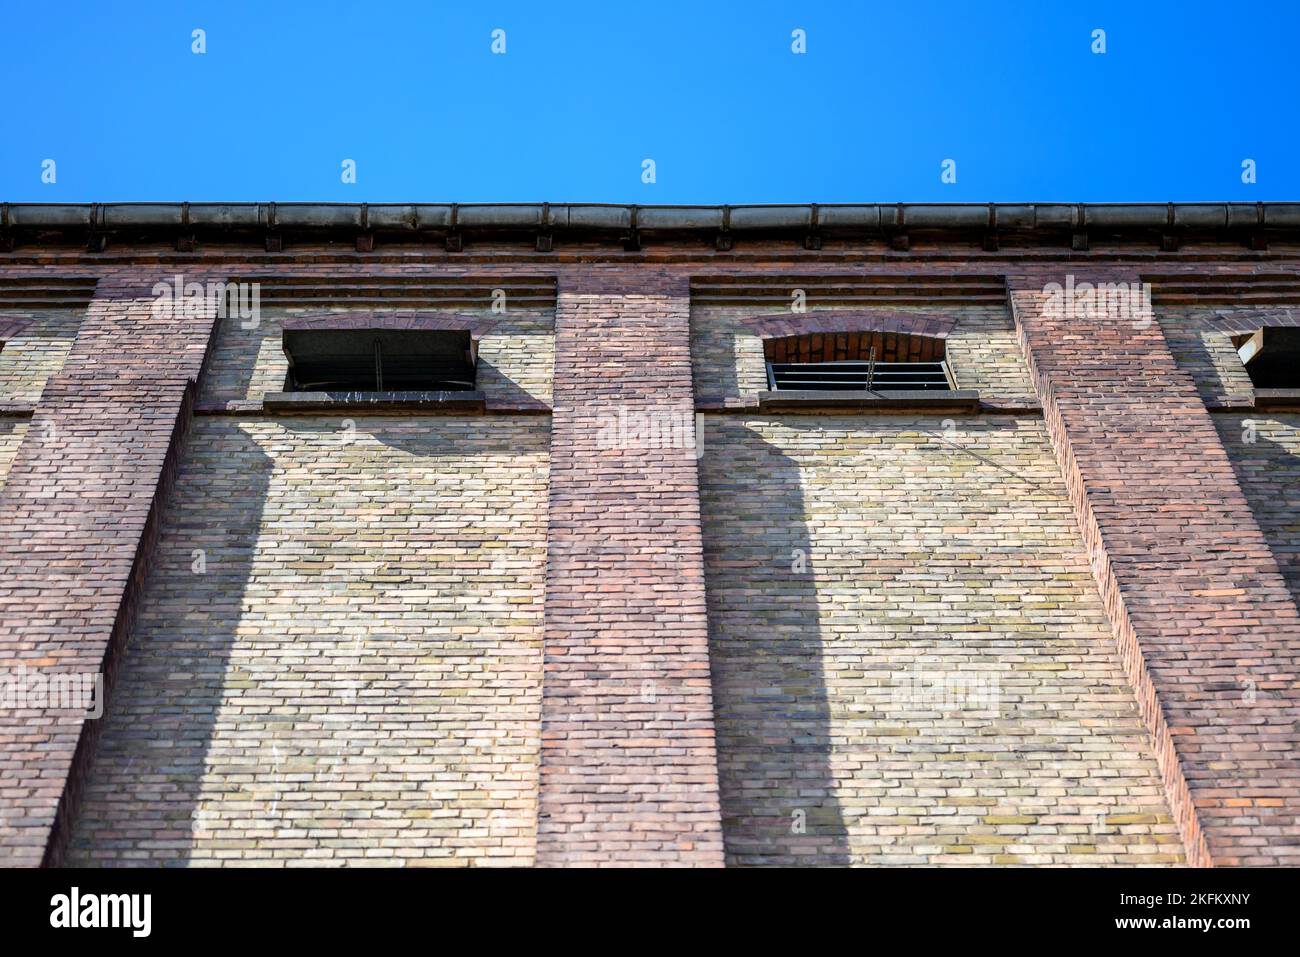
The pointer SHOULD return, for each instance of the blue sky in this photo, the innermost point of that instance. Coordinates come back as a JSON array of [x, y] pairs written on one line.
[[711, 91]]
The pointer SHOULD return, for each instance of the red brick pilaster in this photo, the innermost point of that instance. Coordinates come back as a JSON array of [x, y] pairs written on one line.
[[629, 769], [77, 515], [1207, 630]]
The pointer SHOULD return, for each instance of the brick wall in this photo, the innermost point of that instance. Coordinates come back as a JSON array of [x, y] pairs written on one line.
[[629, 773], [981, 348], [1209, 633], [515, 355], [29, 358], [1200, 339], [1264, 449], [337, 658], [77, 514], [566, 713], [911, 662], [12, 430]]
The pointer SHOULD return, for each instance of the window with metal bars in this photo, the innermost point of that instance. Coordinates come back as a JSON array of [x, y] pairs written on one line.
[[857, 362], [379, 360]]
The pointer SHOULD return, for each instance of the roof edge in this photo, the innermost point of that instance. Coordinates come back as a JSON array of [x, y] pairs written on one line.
[[545, 219]]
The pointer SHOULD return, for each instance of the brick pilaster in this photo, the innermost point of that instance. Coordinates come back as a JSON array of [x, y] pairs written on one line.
[[629, 768], [77, 516], [1209, 635]]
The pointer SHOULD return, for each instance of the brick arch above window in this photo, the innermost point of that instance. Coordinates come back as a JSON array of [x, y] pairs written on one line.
[[859, 351], [781, 325], [840, 346]]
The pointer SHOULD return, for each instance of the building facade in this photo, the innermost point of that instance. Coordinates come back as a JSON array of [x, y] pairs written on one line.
[[587, 535]]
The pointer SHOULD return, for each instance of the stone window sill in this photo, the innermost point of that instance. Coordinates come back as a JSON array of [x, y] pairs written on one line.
[[958, 400], [1277, 399]]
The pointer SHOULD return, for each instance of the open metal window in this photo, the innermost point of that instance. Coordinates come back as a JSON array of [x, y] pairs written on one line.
[[379, 360], [857, 361], [1271, 356]]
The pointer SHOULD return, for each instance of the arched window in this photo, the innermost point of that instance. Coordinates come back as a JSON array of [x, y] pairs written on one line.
[[857, 361]]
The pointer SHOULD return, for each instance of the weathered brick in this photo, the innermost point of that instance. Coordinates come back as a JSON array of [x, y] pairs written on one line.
[[76, 513], [629, 772], [340, 637], [909, 650], [567, 713], [1209, 633]]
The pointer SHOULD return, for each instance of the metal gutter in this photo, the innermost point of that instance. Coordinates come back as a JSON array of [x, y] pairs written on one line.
[[354, 219]]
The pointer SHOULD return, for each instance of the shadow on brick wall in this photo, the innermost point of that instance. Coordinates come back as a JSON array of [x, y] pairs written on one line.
[[1193, 350], [267, 702], [766, 647], [144, 798], [1269, 474]]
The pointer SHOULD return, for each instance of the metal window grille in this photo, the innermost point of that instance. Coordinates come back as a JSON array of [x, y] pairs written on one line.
[[866, 376]]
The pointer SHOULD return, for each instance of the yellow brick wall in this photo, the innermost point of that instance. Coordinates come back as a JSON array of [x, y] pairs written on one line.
[[911, 661], [30, 358], [338, 652], [981, 350], [1205, 352], [12, 430], [514, 358], [1264, 448]]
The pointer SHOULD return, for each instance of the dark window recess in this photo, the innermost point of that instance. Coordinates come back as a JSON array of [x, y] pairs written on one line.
[[379, 360], [866, 361], [1271, 357]]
